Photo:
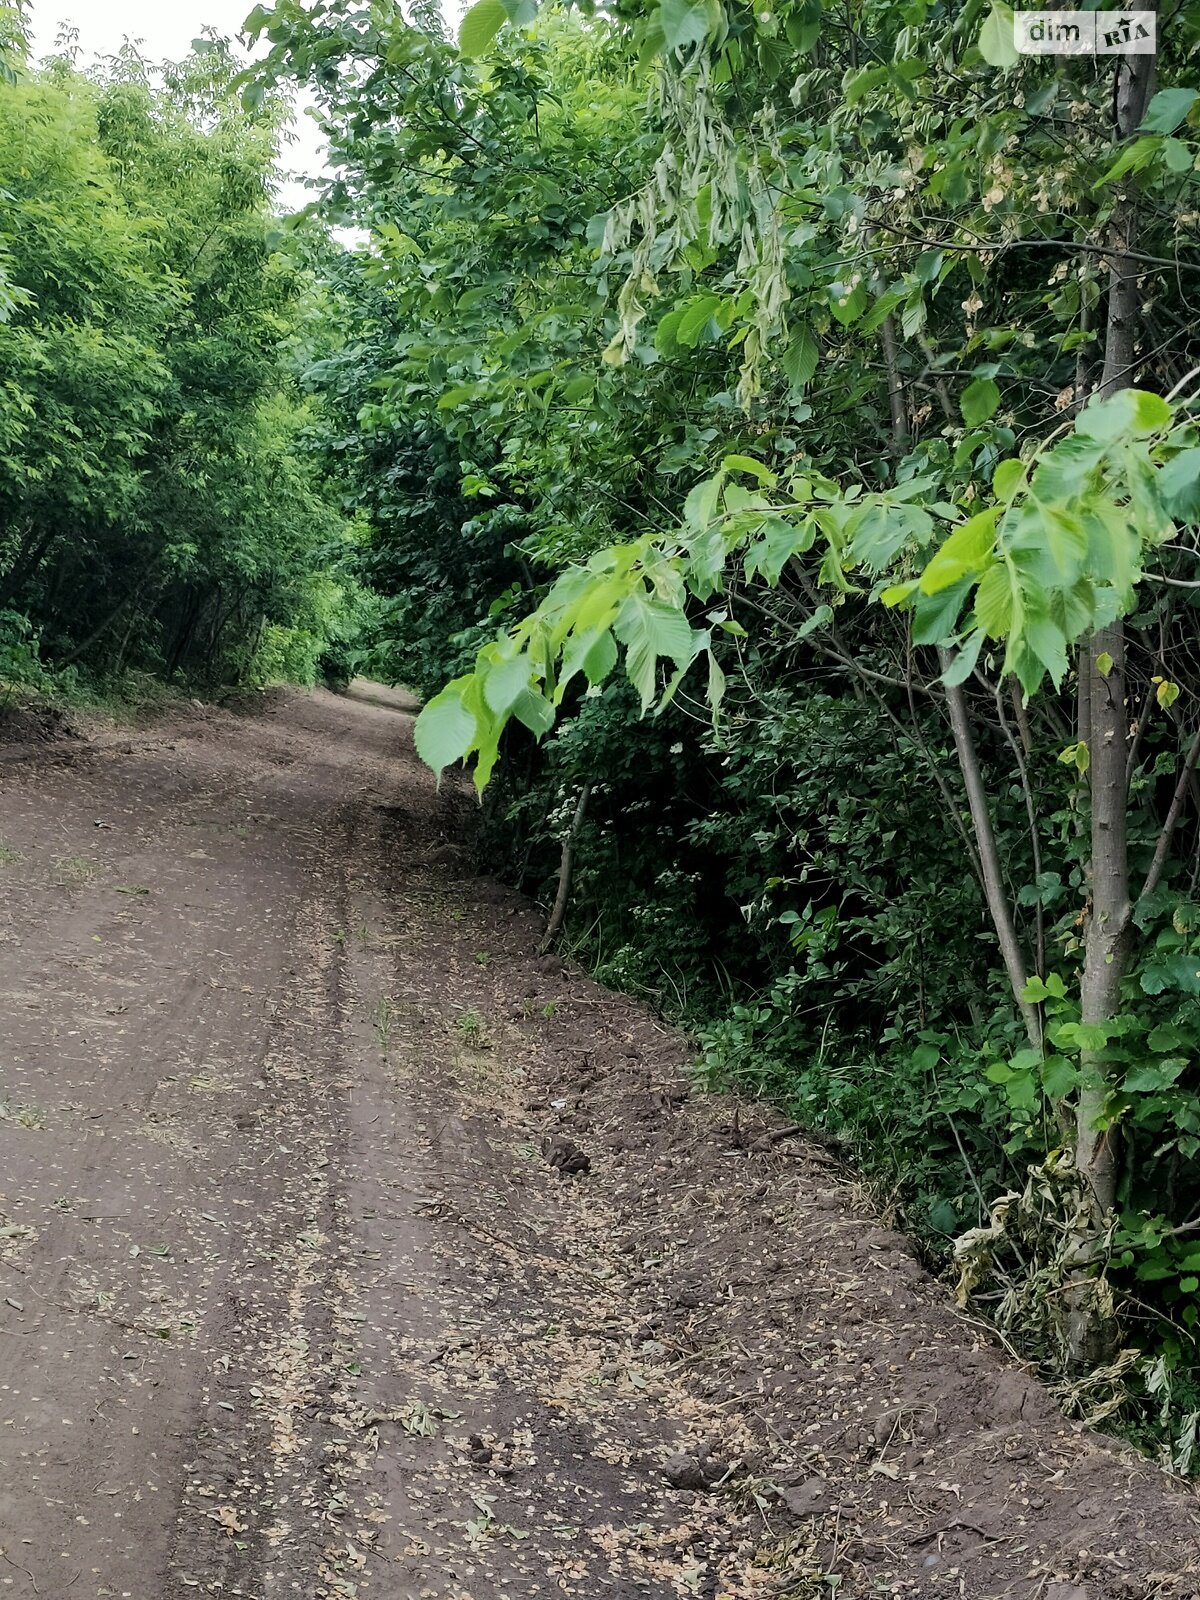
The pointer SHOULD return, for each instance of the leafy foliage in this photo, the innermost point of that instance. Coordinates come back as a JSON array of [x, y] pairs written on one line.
[[159, 505], [799, 377]]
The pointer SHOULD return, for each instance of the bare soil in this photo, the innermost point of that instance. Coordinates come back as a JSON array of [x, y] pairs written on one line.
[[349, 1248]]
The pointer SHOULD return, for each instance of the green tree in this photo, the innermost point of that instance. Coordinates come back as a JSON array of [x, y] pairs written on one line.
[[846, 362], [159, 503]]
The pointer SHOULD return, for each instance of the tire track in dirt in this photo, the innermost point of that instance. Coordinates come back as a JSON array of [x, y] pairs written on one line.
[[291, 1303]]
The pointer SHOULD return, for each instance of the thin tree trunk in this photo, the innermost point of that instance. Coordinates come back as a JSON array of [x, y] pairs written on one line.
[[988, 855], [895, 383], [1106, 948], [29, 558], [559, 913], [96, 634], [989, 860], [1107, 939]]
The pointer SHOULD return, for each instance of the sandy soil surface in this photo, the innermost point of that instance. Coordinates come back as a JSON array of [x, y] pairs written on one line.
[[349, 1248]]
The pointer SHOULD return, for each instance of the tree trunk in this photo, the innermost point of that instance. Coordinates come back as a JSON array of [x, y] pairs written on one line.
[[1106, 952], [97, 633], [561, 899], [1107, 941], [989, 860], [30, 555]]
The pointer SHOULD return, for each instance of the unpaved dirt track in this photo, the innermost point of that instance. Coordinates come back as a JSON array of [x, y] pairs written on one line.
[[291, 1303]]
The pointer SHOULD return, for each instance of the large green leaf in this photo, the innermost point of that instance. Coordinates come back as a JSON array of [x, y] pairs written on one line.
[[980, 400], [1179, 486], [505, 682], [997, 37], [1129, 413], [1168, 109], [480, 26], [445, 730], [650, 631], [799, 360], [684, 22], [965, 551]]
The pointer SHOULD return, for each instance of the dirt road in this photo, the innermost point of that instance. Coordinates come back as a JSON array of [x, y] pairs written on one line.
[[293, 1302]]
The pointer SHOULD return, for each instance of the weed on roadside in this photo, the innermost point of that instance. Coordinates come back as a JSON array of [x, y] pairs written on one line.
[[385, 1014], [470, 1028], [72, 872]]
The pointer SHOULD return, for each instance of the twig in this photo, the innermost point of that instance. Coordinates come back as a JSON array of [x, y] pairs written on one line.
[[17, 1567], [1163, 849]]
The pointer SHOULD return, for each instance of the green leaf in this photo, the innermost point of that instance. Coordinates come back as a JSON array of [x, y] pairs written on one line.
[[997, 37], [912, 317], [1168, 109], [684, 22], [445, 730], [480, 26], [535, 712], [650, 630], [961, 668], [897, 593], [1007, 479], [847, 307], [695, 319], [600, 659], [1022, 1091], [820, 618], [1177, 156], [1179, 972], [1154, 1076], [506, 682], [994, 602], [980, 400], [1165, 1038], [716, 683], [748, 464], [799, 360], [1132, 159], [964, 553], [1179, 486], [1060, 1077]]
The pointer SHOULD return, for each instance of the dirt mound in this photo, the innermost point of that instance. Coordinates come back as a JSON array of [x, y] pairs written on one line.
[[28, 727]]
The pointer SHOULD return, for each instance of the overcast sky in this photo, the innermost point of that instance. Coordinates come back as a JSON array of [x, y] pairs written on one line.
[[164, 30]]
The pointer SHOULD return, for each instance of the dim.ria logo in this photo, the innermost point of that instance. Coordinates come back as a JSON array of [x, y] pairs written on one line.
[[1085, 33]]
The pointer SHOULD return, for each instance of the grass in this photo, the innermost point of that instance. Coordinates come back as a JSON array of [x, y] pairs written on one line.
[[71, 872], [23, 1116], [470, 1028], [384, 1014], [8, 857]]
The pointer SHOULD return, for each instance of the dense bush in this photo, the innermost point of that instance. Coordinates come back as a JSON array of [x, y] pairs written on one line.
[[161, 507]]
